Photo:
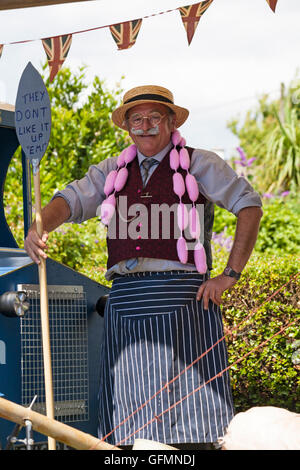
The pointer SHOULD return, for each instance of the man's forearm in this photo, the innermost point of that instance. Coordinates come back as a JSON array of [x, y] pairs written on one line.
[[247, 227]]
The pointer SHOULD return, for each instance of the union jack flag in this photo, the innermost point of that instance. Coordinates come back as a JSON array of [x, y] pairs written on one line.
[[57, 49], [272, 4], [1, 49], [125, 34], [191, 15]]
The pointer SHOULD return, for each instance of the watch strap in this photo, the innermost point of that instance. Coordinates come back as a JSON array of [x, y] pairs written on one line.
[[228, 271]]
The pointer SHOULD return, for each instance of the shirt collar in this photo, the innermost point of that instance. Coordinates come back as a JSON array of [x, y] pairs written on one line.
[[159, 156]]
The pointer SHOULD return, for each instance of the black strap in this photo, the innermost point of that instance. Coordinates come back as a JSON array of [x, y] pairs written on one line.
[[149, 96]]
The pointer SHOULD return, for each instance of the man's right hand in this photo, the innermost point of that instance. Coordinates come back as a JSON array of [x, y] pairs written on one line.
[[35, 245]]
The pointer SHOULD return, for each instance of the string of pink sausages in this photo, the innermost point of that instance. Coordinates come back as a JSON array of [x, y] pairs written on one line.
[[116, 180]]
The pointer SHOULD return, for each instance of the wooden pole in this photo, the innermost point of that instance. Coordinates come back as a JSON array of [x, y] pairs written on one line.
[[49, 427], [44, 309]]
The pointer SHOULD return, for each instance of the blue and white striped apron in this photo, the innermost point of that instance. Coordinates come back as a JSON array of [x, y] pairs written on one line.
[[155, 328]]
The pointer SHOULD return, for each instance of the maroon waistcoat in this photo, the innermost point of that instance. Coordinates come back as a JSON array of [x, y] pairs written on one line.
[[125, 237]]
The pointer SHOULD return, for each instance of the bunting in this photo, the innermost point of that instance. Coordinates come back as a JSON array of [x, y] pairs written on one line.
[[272, 4], [191, 15], [57, 49], [125, 34]]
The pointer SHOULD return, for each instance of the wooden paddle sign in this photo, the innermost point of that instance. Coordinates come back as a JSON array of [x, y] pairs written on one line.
[[33, 114], [33, 128]]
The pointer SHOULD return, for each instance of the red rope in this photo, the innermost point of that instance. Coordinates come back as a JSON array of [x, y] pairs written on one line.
[[200, 357]]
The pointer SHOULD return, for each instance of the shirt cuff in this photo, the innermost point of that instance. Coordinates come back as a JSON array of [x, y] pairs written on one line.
[[251, 199]]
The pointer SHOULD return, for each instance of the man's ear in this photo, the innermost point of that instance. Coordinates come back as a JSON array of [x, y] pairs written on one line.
[[172, 122], [126, 124]]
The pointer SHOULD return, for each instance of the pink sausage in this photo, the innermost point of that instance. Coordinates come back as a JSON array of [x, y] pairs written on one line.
[[192, 187], [130, 153], [178, 184], [109, 182], [174, 159], [182, 250], [121, 158], [182, 216], [182, 142], [176, 137], [200, 258], [194, 223], [121, 179], [184, 159], [108, 209]]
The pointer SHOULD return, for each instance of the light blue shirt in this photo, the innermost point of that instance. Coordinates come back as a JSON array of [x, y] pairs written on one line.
[[217, 181]]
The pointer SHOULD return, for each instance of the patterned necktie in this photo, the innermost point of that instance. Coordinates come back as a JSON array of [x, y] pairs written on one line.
[[147, 163]]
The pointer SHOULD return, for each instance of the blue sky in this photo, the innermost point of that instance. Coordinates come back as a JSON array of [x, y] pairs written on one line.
[[240, 50]]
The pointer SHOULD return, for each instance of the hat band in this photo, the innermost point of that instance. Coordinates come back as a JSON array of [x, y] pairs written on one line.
[[149, 96]]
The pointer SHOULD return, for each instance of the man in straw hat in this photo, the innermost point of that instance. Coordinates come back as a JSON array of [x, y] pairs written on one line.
[[163, 357]]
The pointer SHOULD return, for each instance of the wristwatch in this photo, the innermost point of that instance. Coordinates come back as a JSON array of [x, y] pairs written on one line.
[[228, 271]]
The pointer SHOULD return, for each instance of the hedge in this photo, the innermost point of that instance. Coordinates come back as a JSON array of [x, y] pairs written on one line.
[[270, 375]]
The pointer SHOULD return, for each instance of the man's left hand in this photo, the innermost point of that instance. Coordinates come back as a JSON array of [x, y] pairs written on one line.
[[212, 289]]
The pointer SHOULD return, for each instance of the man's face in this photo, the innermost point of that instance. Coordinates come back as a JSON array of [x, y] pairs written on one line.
[[149, 144]]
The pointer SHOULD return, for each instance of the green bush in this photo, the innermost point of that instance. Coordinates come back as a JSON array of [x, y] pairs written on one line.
[[81, 247], [268, 376], [279, 228]]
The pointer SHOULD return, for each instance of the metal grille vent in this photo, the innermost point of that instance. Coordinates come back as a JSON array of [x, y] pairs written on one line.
[[69, 352]]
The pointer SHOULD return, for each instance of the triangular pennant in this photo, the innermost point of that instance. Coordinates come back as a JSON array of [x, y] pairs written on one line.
[[1, 49], [272, 4], [57, 49], [191, 15], [125, 34]]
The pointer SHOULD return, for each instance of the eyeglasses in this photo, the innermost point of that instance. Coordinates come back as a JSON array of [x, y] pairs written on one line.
[[136, 120]]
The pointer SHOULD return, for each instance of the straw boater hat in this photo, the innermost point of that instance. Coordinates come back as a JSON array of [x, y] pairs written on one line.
[[148, 94]]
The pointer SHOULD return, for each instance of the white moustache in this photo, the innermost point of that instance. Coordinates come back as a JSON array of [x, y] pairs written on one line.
[[141, 132]]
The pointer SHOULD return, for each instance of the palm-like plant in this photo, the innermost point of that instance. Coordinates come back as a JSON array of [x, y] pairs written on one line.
[[271, 133], [283, 151]]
